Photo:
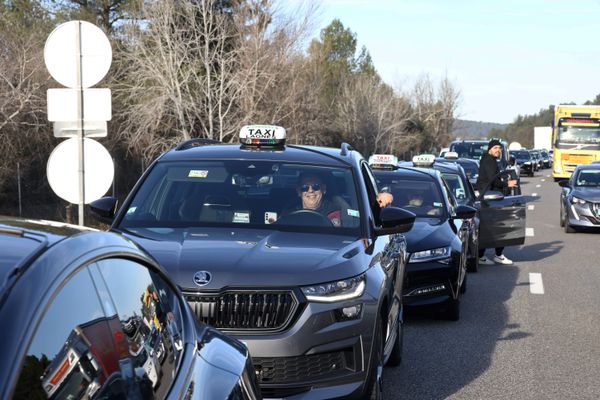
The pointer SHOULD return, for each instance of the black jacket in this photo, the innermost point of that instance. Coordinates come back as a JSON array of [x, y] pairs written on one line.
[[488, 170]]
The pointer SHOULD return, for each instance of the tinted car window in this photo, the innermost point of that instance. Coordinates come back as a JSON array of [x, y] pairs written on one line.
[[72, 352], [242, 193], [150, 322], [588, 178], [521, 154], [420, 197]]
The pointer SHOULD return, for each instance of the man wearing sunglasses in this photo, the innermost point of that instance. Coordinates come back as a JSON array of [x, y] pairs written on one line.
[[312, 190]]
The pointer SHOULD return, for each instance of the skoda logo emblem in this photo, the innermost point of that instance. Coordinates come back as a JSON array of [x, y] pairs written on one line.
[[201, 278]]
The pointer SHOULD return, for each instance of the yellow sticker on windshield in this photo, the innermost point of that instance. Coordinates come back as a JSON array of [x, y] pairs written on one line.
[[197, 173]]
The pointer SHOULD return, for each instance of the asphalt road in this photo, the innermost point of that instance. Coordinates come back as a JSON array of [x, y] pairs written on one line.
[[513, 341]]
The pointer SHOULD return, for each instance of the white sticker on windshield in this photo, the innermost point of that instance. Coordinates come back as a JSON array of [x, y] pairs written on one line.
[[131, 210], [241, 217], [436, 204], [270, 217], [354, 213], [197, 173]]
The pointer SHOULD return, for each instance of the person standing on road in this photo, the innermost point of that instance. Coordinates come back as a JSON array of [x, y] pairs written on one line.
[[489, 178]]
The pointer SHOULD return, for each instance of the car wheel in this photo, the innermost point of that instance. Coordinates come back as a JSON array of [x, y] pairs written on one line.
[[473, 262], [452, 312], [463, 287], [375, 382], [568, 228], [562, 216], [396, 355]]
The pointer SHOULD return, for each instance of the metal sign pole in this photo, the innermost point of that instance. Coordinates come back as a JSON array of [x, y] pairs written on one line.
[[81, 169]]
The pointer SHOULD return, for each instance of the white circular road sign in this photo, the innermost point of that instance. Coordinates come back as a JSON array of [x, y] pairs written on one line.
[[63, 174], [61, 53]]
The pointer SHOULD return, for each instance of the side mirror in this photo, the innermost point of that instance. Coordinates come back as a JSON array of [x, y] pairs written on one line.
[[493, 195], [394, 220], [564, 183], [464, 212], [104, 209]]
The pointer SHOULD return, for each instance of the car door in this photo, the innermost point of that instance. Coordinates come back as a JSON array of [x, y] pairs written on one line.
[[501, 220]]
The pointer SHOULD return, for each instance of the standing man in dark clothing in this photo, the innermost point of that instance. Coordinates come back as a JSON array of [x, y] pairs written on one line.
[[488, 176]]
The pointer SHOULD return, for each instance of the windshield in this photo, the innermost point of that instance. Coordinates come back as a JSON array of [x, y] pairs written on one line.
[[473, 150], [420, 197], [578, 138], [521, 154], [471, 168], [252, 194], [588, 178]]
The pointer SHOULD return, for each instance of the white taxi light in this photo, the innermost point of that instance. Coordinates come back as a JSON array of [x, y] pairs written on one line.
[[423, 160], [262, 135], [383, 160], [451, 155]]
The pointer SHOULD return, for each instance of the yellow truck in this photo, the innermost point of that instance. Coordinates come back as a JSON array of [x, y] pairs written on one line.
[[575, 138]]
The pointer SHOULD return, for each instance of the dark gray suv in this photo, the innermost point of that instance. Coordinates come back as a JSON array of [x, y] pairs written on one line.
[[315, 292]]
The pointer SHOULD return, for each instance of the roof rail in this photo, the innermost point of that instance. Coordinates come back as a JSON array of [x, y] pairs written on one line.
[[346, 148], [196, 142]]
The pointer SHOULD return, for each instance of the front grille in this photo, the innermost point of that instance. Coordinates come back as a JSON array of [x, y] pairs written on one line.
[[302, 368], [245, 311]]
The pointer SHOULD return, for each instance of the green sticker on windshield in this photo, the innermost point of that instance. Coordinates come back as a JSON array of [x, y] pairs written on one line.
[[197, 173]]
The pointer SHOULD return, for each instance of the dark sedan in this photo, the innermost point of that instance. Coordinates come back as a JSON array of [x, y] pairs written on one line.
[[87, 314], [525, 162], [439, 241], [580, 198]]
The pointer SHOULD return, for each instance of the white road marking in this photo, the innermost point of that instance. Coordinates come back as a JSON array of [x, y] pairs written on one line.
[[547, 176], [529, 232], [538, 185], [531, 207], [536, 286], [534, 194], [543, 180]]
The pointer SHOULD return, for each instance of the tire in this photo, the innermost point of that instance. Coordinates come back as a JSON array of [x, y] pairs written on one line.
[[473, 263], [463, 287], [396, 355], [568, 228], [452, 311], [562, 217], [374, 382]]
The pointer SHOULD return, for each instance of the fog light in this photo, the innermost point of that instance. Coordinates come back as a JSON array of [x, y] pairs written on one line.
[[348, 313], [427, 290]]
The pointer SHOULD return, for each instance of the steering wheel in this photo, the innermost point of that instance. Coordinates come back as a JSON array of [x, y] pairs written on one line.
[[305, 217]]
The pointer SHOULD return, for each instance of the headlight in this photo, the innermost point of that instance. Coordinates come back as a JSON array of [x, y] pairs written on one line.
[[430, 255], [336, 291], [576, 200]]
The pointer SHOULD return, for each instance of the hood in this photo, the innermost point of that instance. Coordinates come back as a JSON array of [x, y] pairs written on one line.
[[591, 194], [251, 257], [428, 233]]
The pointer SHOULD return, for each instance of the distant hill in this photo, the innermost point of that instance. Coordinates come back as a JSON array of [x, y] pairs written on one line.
[[466, 129]]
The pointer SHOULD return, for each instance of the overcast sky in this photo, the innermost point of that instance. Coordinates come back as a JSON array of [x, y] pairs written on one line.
[[507, 57]]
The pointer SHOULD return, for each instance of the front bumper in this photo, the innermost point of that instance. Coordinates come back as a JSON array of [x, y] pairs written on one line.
[[584, 215], [430, 283], [319, 356]]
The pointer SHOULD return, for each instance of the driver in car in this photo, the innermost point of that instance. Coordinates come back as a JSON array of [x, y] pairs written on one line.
[[312, 190]]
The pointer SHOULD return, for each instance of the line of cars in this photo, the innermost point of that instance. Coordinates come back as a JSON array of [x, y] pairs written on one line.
[[452, 223], [531, 161], [271, 267]]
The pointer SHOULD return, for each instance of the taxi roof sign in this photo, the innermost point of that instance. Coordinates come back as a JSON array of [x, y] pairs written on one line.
[[451, 155], [423, 160], [383, 160], [262, 135]]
